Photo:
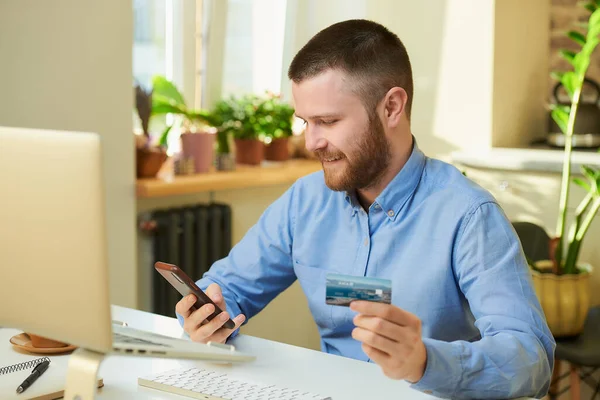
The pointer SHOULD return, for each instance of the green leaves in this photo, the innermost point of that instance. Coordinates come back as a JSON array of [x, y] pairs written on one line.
[[568, 55], [166, 91], [580, 182], [591, 7], [577, 37], [560, 115], [592, 182], [162, 142]]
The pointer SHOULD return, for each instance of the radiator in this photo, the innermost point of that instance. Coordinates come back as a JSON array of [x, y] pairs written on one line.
[[192, 238]]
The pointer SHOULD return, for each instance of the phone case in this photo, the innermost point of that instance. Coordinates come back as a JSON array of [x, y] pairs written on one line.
[[185, 285]]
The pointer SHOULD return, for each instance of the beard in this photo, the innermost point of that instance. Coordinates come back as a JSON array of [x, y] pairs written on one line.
[[364, 166]]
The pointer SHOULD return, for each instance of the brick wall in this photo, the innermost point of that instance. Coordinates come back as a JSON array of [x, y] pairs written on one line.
[[565, 15]]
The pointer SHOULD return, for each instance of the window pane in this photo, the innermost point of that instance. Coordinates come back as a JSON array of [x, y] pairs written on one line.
[[149, 40], [253, 46]]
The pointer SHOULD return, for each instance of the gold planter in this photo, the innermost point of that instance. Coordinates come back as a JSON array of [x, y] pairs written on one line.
[[565, 299]]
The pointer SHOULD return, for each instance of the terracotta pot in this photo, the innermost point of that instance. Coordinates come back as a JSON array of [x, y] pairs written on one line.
[[249, 151], [199, 146], [565, 299], [42, 342], [148, 162], [277, 150]]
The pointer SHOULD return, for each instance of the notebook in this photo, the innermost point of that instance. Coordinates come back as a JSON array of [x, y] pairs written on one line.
[[15, 366]]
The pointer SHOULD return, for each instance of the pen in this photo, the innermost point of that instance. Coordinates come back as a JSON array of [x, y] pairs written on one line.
[[36, 373]]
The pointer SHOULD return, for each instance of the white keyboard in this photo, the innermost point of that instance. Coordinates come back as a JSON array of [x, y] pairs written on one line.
[[209, 385]]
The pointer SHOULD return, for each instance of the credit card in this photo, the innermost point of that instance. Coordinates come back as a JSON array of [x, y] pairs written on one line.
[[341, 290]]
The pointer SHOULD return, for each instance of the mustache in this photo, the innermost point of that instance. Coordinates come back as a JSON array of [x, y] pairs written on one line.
[[323, 154]]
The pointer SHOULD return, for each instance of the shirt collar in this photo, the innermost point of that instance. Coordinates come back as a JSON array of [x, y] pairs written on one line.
[[397, 192]]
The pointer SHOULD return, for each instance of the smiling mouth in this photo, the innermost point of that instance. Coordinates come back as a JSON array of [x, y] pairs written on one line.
[[331, 159]]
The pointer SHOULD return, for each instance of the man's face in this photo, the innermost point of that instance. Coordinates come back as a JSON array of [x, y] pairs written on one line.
[[352, 147]]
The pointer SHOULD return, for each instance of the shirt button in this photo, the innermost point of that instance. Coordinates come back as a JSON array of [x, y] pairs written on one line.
[[366, 242], [390, 213], [377, 207]]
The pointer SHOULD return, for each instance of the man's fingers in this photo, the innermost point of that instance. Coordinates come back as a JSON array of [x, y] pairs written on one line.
[[183, 306], [374, 340], [214, 292], [222, 334], [386, 311], [209, 328], [195, 319], [380, 326], [376, 355]]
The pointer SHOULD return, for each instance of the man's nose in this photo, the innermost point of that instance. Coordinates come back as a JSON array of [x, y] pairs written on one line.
[[314, 139]]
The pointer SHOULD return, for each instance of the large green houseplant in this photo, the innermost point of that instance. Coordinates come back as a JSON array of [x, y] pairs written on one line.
[[566, 281]]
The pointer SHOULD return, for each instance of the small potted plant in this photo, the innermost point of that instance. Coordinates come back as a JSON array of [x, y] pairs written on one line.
[[148, 158], [562, 282], [277, 126], [246, 129], [198, 137]]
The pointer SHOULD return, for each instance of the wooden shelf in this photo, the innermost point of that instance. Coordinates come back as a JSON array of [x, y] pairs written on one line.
[[268, 174]]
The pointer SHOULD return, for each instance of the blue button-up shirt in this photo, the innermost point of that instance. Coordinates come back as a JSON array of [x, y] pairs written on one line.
[[451, 254]]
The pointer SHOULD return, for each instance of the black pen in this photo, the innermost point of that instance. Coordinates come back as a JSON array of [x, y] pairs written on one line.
[[36, 373]]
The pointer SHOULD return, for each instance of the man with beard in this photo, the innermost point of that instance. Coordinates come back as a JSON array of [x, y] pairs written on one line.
[[464, 320]]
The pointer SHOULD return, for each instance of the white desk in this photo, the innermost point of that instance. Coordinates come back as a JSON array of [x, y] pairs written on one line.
[[276, 363]]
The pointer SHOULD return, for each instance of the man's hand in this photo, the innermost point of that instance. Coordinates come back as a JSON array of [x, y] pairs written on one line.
[[391, 337], [195, 323]]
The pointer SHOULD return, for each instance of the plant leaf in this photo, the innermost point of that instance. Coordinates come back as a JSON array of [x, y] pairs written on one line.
[[580, 182], [560, 115], [557, 75], [163, 141], [569, 81], [591, 7], [568, 55], [206, 117], [577, 37], [161, 105], [166, 89], [589, 172]]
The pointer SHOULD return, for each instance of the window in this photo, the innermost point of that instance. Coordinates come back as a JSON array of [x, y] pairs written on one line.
[[253, 46]]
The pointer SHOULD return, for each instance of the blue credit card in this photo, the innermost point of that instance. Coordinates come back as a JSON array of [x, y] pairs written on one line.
[[343, 289]]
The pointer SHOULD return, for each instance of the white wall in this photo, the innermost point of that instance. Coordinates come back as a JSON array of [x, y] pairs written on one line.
[[66, 64], [479, 66]]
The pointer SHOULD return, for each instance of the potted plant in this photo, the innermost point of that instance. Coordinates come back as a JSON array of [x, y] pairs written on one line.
[[246, 128], [148, 158], [562, 282], [277, 126], [198, 137]]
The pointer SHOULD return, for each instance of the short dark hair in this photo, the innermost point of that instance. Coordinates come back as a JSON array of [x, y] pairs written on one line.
[[373, 57]]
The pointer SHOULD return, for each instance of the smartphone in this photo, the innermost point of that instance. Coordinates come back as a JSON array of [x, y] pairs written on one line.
[[185, 285]]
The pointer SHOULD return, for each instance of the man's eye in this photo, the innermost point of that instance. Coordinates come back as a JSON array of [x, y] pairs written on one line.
[[328, 121]]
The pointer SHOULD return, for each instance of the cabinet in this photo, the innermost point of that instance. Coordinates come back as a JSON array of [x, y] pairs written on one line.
[[533, 196]]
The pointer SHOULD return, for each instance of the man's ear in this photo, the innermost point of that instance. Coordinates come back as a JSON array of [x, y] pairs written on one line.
[[394, 106]]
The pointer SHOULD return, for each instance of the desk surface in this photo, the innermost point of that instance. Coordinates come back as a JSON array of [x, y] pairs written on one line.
[[276, 363]]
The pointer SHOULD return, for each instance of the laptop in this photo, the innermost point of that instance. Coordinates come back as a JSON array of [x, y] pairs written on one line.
[[53, 249]]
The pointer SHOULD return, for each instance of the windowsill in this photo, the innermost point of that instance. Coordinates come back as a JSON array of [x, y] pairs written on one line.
[[267, 174], [525, 159]]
